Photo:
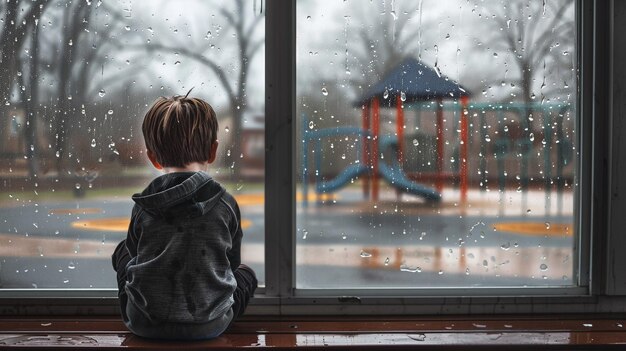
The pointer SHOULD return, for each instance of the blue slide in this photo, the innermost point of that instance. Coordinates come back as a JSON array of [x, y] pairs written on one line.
[[392, 174], [397, 179], [342, 179]]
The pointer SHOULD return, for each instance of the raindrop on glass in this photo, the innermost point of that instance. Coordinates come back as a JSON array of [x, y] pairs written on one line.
[[102, 93], [543, 267], [386, 94], [324, 92], [402, 96], [365, 254], [93, 142]]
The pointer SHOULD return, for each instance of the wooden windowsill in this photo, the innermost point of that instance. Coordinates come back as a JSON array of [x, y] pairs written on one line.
[[513, 332]]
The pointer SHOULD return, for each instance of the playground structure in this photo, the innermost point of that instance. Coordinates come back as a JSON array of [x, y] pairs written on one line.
[[410, 81], [473, 124]]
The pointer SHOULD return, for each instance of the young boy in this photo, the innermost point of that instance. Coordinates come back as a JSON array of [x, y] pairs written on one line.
[[178, 271]]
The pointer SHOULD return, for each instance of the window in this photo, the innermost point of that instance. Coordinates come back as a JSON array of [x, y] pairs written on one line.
[[443, 140], [82, 76], [487, 195]]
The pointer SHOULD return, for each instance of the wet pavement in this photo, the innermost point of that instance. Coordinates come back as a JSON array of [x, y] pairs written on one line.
[[493, 240]]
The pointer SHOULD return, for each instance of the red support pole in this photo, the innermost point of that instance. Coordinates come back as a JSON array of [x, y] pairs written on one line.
[[365, 155], [400, 129], [439, 182], [375, 133], [463, 149]]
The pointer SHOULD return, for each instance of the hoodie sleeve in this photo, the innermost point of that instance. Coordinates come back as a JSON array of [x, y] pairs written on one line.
[[132, 238], [234, 255]]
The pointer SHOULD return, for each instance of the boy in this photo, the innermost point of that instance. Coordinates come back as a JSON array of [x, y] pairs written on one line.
[[178, 271]]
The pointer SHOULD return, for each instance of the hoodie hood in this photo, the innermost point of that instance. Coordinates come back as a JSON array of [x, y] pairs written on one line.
[[187, 194]]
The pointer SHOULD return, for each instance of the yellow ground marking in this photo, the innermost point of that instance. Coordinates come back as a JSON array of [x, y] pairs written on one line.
[[535, 228], [259, 198], [120, 224], [72, 211]]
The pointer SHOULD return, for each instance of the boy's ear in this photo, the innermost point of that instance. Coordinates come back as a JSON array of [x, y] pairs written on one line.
[[152, 158], [213, 152]]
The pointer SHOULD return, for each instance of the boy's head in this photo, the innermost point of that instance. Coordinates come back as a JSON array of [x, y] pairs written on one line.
[[179, 131]]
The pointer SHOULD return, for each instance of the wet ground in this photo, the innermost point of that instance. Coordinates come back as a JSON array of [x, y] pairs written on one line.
[[494, 239]]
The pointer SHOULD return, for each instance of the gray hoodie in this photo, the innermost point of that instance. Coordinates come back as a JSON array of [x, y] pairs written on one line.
[[185, 240]]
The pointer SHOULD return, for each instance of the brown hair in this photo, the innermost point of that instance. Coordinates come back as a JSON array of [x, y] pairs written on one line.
[[180, 130]]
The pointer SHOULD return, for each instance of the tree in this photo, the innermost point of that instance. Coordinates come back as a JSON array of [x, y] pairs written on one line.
[[536, 34], [14, 30]]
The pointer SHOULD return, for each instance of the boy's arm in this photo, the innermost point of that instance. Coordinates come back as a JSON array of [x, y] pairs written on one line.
[[234, 255], [132, 238]]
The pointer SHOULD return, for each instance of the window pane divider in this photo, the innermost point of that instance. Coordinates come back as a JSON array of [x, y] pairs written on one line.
[[280, 86]]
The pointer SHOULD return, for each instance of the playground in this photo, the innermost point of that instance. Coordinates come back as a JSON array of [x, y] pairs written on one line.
[[504, 145]]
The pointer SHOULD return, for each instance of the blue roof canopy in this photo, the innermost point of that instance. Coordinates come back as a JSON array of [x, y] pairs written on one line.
[[417, 81]]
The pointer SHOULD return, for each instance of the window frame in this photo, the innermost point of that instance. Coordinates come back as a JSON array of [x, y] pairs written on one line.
[[602, 285]]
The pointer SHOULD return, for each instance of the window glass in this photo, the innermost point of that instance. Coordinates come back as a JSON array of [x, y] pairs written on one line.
[[77, 78], [437, 144]]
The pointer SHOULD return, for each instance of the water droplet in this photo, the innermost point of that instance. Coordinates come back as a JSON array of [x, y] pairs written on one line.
[[543, 267], [495, 55], [417, 337], [127, 27], [77, 186], [110, 112], [531, 136], [343, 156], [415, 142], [487, 138], [311, 125], [324, 91], [547, 225], [587, 325], [467, 271], [226, 129], [402, 96], [405, 268], [387, 261], [304, 234], [528, 210], [386, 94], [365, 254], [176, 63], [506, 246], [93, 142], [71, 265], [619, 325], [102, 93], [485, 263]]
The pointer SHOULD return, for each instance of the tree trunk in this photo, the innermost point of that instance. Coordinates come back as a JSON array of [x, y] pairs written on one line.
[[30, 130]]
